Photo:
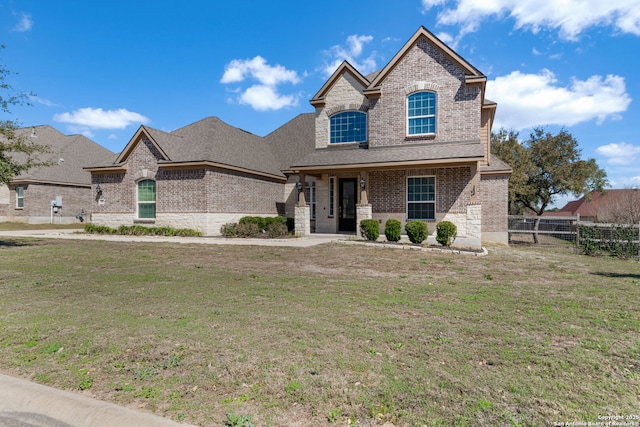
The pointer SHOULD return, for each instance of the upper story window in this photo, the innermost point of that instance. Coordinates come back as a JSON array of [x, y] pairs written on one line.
[[19, 197], [348, 126], [147, 199], [421, 113]]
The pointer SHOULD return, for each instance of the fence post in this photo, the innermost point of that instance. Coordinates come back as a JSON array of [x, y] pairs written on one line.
[[578, 234], [639, 241]]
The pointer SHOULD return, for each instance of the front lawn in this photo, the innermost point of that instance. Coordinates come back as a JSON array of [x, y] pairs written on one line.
[[327, 335]]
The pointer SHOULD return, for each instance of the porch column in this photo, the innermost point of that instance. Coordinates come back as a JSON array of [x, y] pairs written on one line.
[[302, 211], [363, 209]]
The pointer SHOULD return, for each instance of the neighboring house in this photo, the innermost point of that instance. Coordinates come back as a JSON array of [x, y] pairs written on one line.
[[615, 206], [408, 142], [58, 193]]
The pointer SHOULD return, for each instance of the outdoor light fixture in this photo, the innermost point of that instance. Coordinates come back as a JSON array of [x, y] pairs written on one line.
[[98, 190], [363, 183], [299, 186]]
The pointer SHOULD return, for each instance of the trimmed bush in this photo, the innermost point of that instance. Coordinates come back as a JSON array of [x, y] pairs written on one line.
[[370, 229], [247, 229], [229, 229], [262, 222], [277, 229], [417, 231], [446, 233], [392, 230], [139, 230]]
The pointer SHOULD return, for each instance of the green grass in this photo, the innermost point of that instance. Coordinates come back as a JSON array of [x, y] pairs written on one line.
[[325, 335]]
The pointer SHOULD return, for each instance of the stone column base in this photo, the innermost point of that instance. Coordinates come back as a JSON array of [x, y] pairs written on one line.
[[302, 220], [362, 212]]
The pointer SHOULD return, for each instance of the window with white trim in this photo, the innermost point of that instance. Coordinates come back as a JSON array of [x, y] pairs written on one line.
[[146, 199], [19, 197], [421, 113], [421, 197], [348, 126]]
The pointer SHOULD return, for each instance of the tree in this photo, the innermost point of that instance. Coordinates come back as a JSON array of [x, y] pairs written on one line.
[[624, 209], [544, 167], [17, 153]]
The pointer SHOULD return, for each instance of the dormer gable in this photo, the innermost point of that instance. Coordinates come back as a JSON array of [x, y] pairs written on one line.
[[142, 132], [471, 74], [344, 68]]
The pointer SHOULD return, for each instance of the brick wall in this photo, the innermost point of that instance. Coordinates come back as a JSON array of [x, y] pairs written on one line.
[[196, 195], [493, 194], [458, 106], [37, 203], [388, 189]]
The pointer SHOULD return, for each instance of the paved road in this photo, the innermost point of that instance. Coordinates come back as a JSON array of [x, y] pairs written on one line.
[[26, 404]]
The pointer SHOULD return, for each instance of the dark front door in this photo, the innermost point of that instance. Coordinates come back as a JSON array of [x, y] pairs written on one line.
[[347, 205]]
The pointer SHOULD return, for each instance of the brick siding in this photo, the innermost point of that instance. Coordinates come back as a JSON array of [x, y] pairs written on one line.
[[388, 189], [37, 203], [493, 194], [458, 106]]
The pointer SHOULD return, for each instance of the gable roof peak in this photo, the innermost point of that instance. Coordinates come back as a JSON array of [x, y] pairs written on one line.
[[344, 67], [472, 73]]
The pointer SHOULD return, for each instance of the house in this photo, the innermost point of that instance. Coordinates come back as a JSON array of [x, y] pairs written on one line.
[[411, 141], [620, 206], [60, 193]]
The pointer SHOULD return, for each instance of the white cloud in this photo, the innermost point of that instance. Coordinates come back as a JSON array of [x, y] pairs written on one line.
[[25, 23], [528, 100], [97, 118], [351, 52], [257, 68], [264, 96], [570, 17], [619, 153]]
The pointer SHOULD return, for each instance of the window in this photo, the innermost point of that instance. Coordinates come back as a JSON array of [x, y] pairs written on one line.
[[421, 197], [348, 126], [146, 199], [331, 197], [421, 113], [20, 197]]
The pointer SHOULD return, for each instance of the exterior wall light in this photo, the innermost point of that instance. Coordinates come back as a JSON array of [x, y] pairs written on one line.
[[363, 183]]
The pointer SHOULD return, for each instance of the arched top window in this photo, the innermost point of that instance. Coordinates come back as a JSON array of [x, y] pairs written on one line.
[[146, 199], [348, 126], [421, 113]]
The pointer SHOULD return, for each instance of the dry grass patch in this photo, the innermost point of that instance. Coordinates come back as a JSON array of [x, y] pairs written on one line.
[[325, 335]]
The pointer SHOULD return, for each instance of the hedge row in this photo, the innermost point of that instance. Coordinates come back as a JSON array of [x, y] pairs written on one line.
[[619, 241], [139, 230]]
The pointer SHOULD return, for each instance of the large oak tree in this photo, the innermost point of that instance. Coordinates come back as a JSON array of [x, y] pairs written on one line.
[[545, 166]]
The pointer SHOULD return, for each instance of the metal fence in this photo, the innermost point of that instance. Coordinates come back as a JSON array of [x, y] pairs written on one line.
[[571, 233]]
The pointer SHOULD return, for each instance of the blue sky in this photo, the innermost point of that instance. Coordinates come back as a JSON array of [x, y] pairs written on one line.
[[104, 68]]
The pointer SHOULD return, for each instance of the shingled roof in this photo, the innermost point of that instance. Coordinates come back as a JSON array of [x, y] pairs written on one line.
[[338, 157], [68, 153], [293, 140], [209, 140]]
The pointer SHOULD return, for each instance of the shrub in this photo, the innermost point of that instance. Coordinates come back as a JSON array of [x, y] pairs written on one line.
[[446, 233], [277, 229], [229, 230], [370, 229], [392, 230], [247, 229], [417, 230], [263, 223]]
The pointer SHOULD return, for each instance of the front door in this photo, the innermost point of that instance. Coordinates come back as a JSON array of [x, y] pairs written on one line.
[[347, 205]]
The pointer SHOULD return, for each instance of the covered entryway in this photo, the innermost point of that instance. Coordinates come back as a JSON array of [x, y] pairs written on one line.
[[347, 204]]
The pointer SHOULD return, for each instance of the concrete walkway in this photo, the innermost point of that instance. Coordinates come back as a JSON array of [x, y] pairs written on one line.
[[300, 242], [27, 404]]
